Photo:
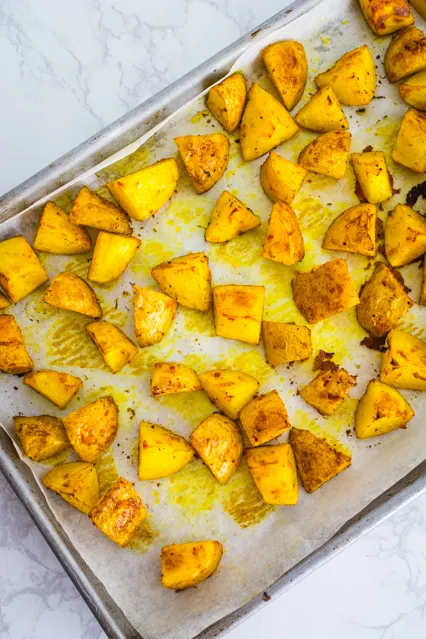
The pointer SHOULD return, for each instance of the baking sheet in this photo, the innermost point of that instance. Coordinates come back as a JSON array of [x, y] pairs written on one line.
[[191, 505]]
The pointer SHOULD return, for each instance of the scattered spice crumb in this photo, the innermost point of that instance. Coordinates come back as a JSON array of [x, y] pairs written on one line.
[[266, 597]]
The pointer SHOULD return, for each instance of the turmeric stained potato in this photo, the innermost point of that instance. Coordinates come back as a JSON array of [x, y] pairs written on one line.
[[4, 302], [161, 452], [72, 293], [372, 174], [230, 218], [413, 90], [284, 240], [322, 113], [20, 269], [405, 235], [281, 179], [59, 388], [92, 428], [92, 210], [287, 67], [186, 565], [422, 300], [286, 342], [387, 16], [226, 101], [187, 280], [205, 158], [327, 390], [76, 482], [265, 418], [41, 437], [153, 314], [420, 7], [14, 358], [406, 54], [170, 377], [57, 234], [116, 348], [353, 231], [404, 361], [380, 410], [111, 256], [229, 390], [274, 471], [238, 311], [410, 146], [328, 154], [353, 77]]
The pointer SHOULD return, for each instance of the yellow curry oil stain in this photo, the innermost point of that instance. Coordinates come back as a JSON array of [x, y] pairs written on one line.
[[145, 536], [107, 472], [190, 212], [194, 490], [243, 501], [199, 116], [152, 252], [65, 200], [193, 407], [59, 458], [314, 218], [133, 162], [79, 265], [197, 322], [410, 327], [112, 314], [242, 251], [302, 420], [249, 361], [70, 344]]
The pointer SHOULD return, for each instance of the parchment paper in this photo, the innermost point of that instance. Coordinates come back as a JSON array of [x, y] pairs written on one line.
[[260, 542]]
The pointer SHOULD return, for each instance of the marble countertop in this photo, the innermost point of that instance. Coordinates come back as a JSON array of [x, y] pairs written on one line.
[[68, 69]]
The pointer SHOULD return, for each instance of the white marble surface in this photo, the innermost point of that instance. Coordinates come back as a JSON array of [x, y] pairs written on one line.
[[69, 68]]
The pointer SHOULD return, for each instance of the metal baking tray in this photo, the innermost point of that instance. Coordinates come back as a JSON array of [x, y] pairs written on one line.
[[97, 148]]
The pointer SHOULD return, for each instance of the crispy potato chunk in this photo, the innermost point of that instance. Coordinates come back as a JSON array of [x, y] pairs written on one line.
[[373, 177], [265, 418], [404, 361], [226, 101], [274, 471], [4, 302], [422, 300], [229, 390], [187, 280], [284, 240], [119, 513], [266, 123], [20, 269], [229, 219], [186, 565], [219, 443], [71, 293], [386, 16], [143, 193], [161, 452], [353, 77], [383, 301], [59, 388], [153, 314], [405, 235], [406, 54], [14, 358], [116, 348], [286, 342], [328, 154], [77, 483], [420, 7], [92, 429], [111, 256], [380, 410], [56, 234], [410, 146], [170, 377], [238, 311], [353, 231], [281, 179], [287, 67], [316, 460], [413, 91], [205, 158], [324, 291], [92, 210], [41, 437], [322, 113], [328, 390]]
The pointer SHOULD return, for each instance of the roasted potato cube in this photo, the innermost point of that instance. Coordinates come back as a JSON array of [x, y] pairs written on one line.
[[316, 460], [406, 54], [161, 452], [380, 410], [264, 418], [387, 16], [281, 179], [274, 471], [92, 428], [153, 314], [284, 240], [286, 342], [119, 513], [322, 113], [383, 301], [71, 293], [229, 219], [353, 77], [226, 101], [287, 67], [170, 377], [420, 7], [187, 279], [324, 291], [238, 311], [229, 390], [422, 300], [405, 235], [410, 146], [219, 443], [328, 390], [59, 388], [186, 565], [41, 437], [4, 302], [92, 210], [14, 358], [143, 193], [76, 482], [404, 361], [328, 154], [116, 348], [413, 90], [353, 231], [111, 256], [266, 123], [20, 269], [372, 175], [205, 158], [56, 234]]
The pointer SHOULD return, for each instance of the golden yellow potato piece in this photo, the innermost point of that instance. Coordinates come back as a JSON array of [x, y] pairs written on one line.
[[229, 390], [4, 302], [383, 301], [405, 235], [56, 234], [161, 452], [422, 300], [281, 179], [353, 77], [406, 54], [143, 193], [420, 7], [288, 69], [353, 231], [76, 482], [229, 219], [111, 256], [20, 269], [205, 158], [324, 291], [266, 123], [286, 342], [92, 429], [219, 443], [119, 513], [116, 348], [284, 240], [404, 361], [187, 280], [328, 154], [410, 146], [71, 293], [59, 388], [14, 358], [328, 390], [170, 377], [316, 460], [274, 471], [322, 113], [373, 177], [413, 90], [186, 565], [41, 437], [265, 418], [92, 210], [238, 311], [153, 314], [226, 101], [387, 16], [380, 410]]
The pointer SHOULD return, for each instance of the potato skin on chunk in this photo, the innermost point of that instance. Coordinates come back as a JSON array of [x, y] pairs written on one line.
[[405, 235], [161, 452], [281, 179], [287, 67], [93, 210], [372, 174], [404, 361], [353, 77], [57, 387], [171, 377], [406, 54], [229, 390], [286, 342], [92, 428], [410, 146], [115, 347], [153, 314], [380, 410], [186, 565], [187, 280], [71, 293], [20, 269], [274, 471], [41, 437], [205, 158], [14, 358], [230, 218], [386, 16], [76, 482], [284, 240], [227, 99], [322, 113], [238, 311], [265, 418], [111, 256], [413, 90], [328, 390], [57, 234], [353, 231], [328, 154]]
